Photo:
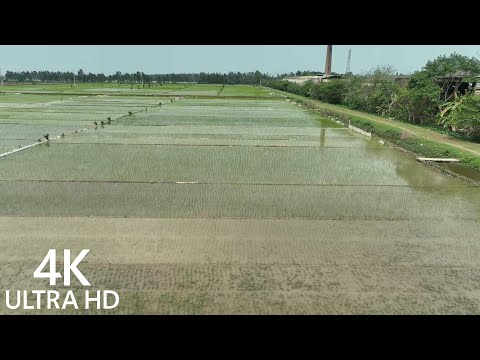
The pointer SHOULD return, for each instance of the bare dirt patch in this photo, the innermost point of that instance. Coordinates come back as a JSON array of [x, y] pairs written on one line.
[[248, 266]]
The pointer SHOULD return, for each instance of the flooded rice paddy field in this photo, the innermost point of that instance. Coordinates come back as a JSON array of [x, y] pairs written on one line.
[[26, 118], [218, 206]]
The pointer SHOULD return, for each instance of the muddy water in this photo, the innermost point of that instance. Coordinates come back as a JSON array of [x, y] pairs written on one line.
[[463, 171]]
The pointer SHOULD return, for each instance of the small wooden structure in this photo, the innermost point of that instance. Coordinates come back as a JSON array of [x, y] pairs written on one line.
[[402, 80], [455, 83]]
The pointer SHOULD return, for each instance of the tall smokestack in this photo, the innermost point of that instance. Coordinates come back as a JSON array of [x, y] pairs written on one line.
[[328, 61]]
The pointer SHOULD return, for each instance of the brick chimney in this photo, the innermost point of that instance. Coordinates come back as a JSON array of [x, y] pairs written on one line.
[[328, 61]]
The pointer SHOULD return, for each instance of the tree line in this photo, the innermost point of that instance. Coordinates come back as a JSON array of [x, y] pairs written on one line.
[[432, 96], [231, 78]]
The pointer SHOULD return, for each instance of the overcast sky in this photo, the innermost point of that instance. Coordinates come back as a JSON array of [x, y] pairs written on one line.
[[271, 59]]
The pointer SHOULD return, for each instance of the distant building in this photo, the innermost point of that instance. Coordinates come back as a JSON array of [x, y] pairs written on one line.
[[326, 78], [454, 80], [315, 78], [450, 82], [402, 79], [303, 79]]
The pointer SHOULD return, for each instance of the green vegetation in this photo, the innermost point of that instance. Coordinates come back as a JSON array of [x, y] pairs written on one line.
[[14, 100], [419, 102], [102, 88], [463, 115], [147, 80], [245, 90], [199, 89], [407, 140], [40, 92]]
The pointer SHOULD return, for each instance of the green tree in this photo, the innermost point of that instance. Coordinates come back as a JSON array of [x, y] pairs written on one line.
[[257, 77], [372, 92], [436, 84], [332, 92], [442, 70], [80, 75]]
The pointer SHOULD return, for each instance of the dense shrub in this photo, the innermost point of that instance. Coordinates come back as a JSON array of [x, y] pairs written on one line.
[[464, 116], [332, 92]]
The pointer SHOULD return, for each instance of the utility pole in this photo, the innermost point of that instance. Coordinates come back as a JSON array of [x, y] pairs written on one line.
[[347, 72], [141, 76], [73, 79], [1, 78]]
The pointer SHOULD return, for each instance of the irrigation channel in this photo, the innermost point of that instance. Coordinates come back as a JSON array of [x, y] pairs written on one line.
[[228, 205]]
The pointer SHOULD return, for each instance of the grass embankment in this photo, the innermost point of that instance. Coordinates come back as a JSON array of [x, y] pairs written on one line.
[[418, 141]]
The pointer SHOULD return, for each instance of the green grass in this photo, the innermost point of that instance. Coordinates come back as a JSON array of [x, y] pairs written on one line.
[[94, 88], [19, 99], [45, 87], [245, 90], [183, 89], [199, 90]]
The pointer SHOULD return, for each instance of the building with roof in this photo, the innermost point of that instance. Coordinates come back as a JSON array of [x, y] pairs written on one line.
[[456, 82]]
